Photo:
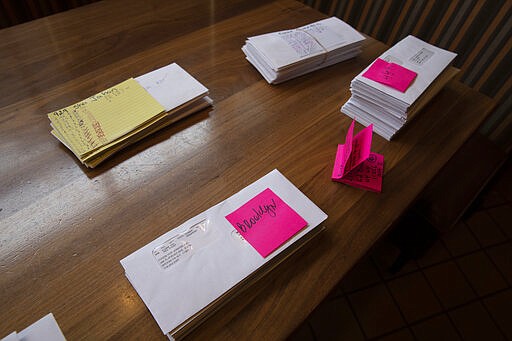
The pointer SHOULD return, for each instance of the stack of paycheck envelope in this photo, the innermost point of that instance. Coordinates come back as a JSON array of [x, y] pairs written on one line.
[[398, 84], [99, 126], [188, 273], [283, 55]]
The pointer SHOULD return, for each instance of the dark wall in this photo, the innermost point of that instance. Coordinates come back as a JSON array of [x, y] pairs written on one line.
[[13, 12]]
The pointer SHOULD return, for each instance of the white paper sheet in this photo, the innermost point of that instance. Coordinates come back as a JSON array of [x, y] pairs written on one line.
[[11, 337], [45, 329]]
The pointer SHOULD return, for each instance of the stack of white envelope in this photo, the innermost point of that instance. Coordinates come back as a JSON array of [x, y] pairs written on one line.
[[45, 329], [280, 56], [389, 109], [191, 271], [176, 93]]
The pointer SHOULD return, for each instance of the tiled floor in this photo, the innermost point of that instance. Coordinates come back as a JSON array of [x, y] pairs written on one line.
[[461, 289]]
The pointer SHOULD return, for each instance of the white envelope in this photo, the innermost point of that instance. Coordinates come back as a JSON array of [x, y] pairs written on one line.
[[285, 48], [172, 86], [187, 268]]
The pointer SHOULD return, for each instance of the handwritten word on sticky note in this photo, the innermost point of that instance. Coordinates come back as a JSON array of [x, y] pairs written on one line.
[[266, 222], [355, 165], [391, 74]]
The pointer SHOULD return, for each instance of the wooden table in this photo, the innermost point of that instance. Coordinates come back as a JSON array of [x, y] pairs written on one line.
[[64, 228]]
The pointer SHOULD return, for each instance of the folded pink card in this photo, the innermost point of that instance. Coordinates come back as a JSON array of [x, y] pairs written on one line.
[[391, 74], [266, 222], [367, 175], [355, 165]]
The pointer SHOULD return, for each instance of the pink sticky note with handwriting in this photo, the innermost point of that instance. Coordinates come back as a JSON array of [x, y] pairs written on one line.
[[266, 222], [355, 165], [368, 175], [391, 74]]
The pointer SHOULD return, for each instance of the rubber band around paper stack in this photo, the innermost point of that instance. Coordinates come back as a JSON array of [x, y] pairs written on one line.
[[280, 56], [389, 109], [99, 126]]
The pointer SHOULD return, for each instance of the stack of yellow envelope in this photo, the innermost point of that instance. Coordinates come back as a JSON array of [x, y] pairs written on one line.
[[99, 126]]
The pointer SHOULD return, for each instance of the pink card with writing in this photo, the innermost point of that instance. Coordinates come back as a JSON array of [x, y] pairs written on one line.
[[355, 165], [367, 175], [391, 74], [266, 222]]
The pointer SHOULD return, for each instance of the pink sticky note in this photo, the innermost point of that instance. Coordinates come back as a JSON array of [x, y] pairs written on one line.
[[391, 74], [339, 163], [355, 165], [361, 145], [368, 175], [266, 222], [355, 151]]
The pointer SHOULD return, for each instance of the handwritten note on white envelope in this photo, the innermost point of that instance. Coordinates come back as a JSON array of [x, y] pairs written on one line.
[[186, 269]]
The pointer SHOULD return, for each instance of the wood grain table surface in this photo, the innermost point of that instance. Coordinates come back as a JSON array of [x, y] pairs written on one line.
[[64, 228]]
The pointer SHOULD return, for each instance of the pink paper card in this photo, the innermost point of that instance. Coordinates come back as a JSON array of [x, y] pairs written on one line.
[[353, 152], [266, 222], [368, 175], [361, 145], [355, 165], [391, 74]]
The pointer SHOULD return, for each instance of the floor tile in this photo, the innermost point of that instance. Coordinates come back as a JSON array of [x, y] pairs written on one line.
[[384, 255], [448, 267], [483, 276], [485, 229], [501, 255], [502, 216], [449, 284], [334, 320], [376, 311], [436, 328], [459, 240], [414, 296], [437, 253], [491, 198], [363, 275], [499, 307], [401, 335], [474, 323]]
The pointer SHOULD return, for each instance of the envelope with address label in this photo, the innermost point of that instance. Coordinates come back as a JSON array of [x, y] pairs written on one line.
[[185, 274]]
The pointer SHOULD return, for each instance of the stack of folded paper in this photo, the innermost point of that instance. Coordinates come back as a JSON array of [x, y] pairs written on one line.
[[188, 273], [280, 56], [390, 91], [100, 125]]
